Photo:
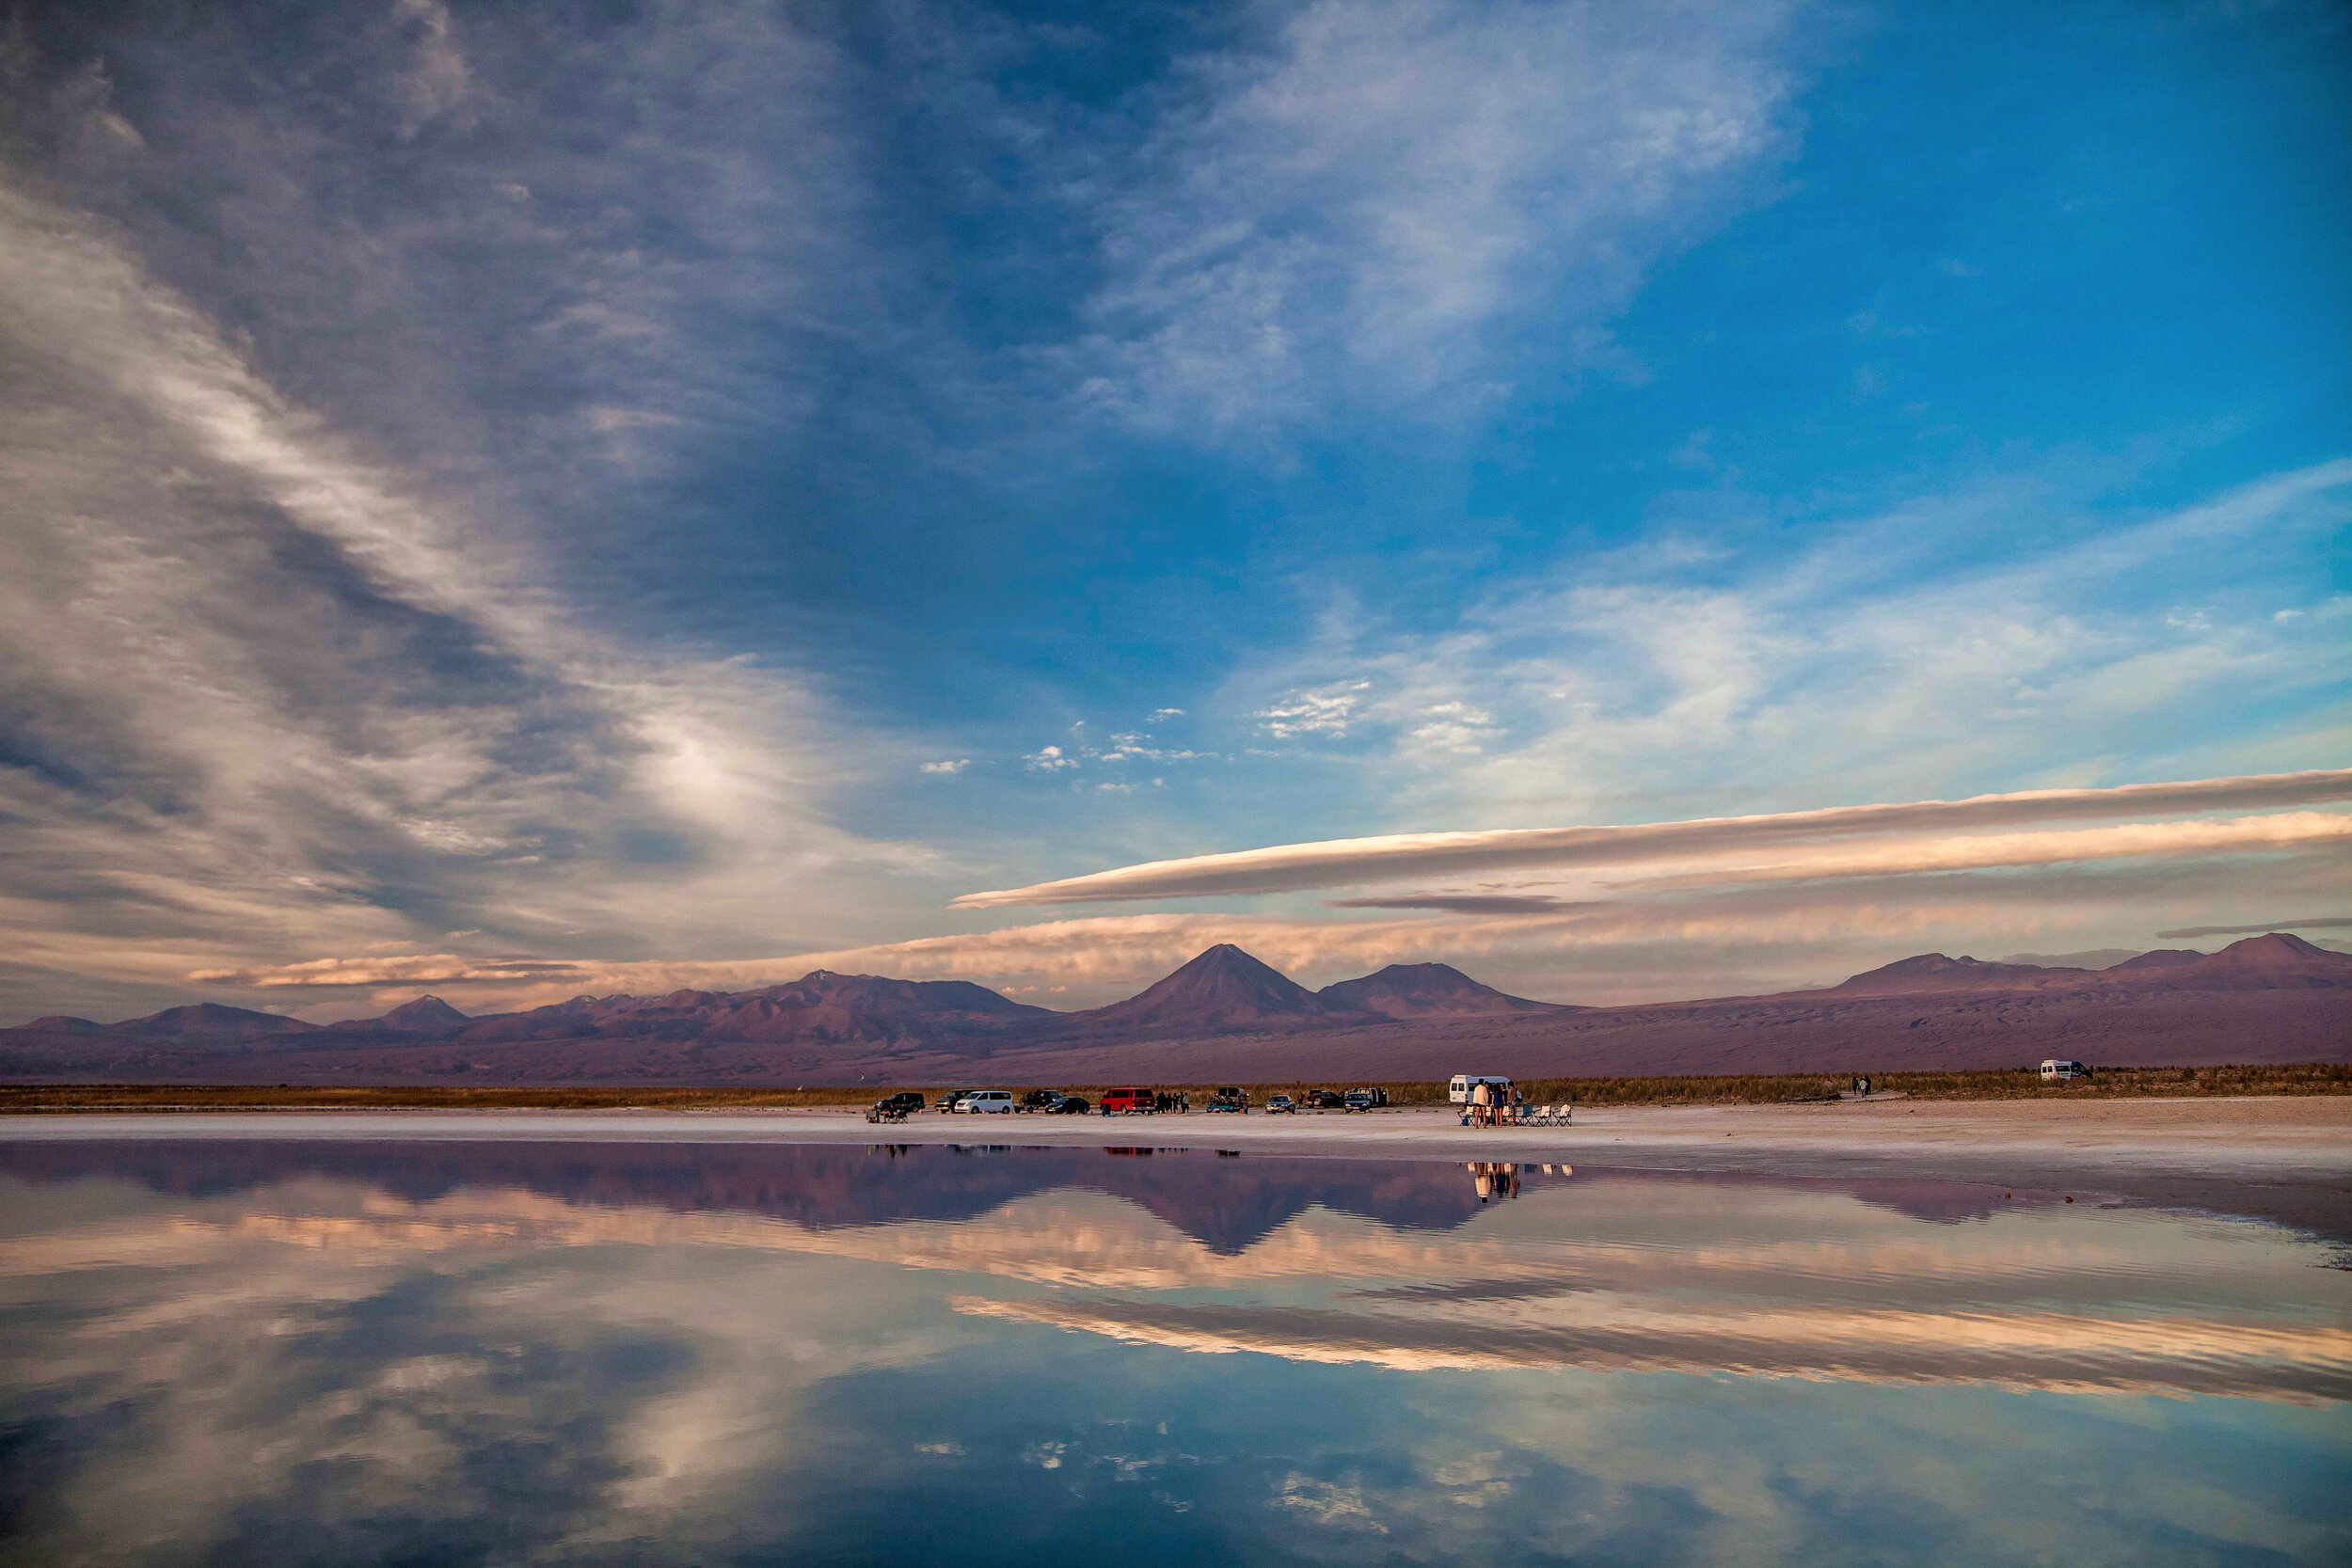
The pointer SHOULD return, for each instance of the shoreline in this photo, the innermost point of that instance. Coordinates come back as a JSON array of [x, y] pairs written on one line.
[[2287, 1159]]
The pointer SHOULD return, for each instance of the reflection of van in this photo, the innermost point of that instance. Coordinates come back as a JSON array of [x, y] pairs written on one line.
[[2055, 1071], [1458, 1091], [1126, 1101]]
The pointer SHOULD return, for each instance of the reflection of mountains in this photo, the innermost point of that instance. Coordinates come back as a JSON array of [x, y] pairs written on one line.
[[1226, 1204], [1704, 1272]]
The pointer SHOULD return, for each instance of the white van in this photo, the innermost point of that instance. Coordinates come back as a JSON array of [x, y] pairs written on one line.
[[986, 1102], [1457, 1089], [2055, 1071]]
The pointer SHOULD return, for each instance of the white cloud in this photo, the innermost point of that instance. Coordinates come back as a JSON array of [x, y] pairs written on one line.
[[1050, 758], [1453, 728], [1353, 206], [956, 765], [1330, 711], [1890, 662]]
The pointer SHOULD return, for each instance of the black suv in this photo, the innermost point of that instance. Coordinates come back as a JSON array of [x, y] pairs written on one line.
[[894, 1107], [1039, 1100]]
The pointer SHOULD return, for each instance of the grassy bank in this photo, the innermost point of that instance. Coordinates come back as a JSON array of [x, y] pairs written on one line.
[[405, 1097], [1730, 1089]]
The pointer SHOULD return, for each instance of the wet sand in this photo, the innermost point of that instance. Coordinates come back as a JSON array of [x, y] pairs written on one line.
[[2288, 1158]]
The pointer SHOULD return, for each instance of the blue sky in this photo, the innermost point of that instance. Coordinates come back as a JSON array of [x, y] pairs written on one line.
[[686, 491]]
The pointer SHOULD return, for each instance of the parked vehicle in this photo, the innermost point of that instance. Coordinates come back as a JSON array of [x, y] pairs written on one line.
[[1360, 1100], [1120, 1102], [947, 1098], [1230, 1098], [1070, 1105], [1457, 1090], [894, 1107], [2057, 1072], [984, 1103], [1280, 1105], [1325, 1100], [1040, 1099]]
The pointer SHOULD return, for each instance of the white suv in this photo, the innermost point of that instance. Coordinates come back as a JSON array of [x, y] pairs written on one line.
[[986, 1101]]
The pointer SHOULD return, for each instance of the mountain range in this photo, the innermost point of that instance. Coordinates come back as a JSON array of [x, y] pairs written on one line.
[[1226, 1015]]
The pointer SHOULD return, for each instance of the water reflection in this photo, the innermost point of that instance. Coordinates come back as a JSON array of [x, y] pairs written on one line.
[[480, 1352]]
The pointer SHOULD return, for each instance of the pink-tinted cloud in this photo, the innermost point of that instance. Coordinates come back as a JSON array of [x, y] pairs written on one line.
[[1341, 863]]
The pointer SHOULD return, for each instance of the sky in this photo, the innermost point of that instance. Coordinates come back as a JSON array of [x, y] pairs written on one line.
[[517, 499]]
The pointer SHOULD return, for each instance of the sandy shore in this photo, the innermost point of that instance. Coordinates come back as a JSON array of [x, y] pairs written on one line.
[[2288, 1159]]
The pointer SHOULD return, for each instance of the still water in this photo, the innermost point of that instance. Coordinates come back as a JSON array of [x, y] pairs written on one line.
[[280, 1353]]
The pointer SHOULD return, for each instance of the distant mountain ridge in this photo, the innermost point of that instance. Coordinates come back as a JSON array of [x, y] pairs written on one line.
[[1424, 991], [1934, 972], [2267, 998], [2273, 961]]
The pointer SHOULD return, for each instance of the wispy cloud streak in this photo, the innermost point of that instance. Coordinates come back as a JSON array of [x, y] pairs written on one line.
[[2324, 923], [265, 696]]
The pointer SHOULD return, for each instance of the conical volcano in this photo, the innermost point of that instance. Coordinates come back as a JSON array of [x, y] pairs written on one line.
[[1222, 991], [426, 1015]]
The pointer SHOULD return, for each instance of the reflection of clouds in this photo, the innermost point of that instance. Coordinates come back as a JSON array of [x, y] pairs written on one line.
[[1324, 1503], [644, 1376], [2313, 1366], [396, 1369]]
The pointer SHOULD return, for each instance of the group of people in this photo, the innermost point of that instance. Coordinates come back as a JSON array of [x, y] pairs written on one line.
[[1494, 1104]]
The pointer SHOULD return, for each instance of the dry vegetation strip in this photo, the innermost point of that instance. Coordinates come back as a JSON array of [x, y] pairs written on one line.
[[1740, 1089]]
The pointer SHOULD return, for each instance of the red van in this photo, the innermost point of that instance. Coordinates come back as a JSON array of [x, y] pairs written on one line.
[[1126, 1101]]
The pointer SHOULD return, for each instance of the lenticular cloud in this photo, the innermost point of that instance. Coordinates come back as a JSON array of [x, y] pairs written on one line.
[[1341, 863]]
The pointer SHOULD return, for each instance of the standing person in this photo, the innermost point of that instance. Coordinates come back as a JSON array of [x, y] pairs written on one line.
[[1482, 1105]]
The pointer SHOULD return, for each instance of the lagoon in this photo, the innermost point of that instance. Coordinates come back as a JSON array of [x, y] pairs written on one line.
[[288, 1352]]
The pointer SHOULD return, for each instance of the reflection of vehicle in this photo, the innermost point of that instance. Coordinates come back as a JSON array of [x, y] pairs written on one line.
[[1457, 1091], [1361, 1099], [2055, 1071], [1230, 1098], [1117, 1103], [1280, 1105], [986, 1102], [947, 1098], [894, 1107], [1070, 1105]]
